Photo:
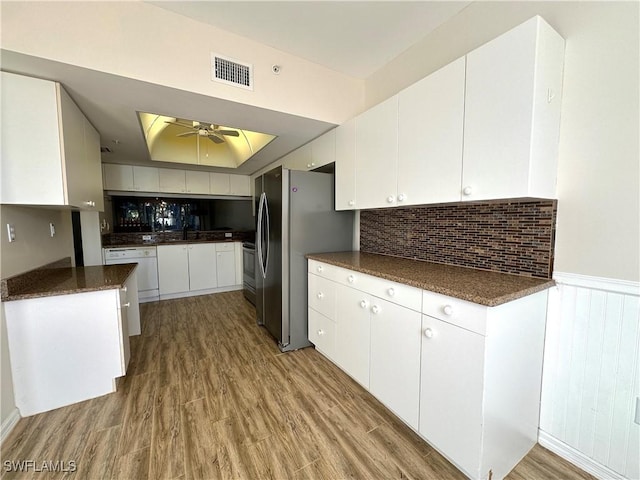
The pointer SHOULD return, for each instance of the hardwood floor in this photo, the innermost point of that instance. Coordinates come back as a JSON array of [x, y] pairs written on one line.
[[208, 395]]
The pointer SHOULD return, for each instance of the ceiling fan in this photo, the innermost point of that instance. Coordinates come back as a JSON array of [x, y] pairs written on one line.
[[212, 132]]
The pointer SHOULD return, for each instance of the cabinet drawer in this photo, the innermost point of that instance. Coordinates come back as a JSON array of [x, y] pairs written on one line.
[[322, 333], [225, 247], [458, 312], [322, 296], [394, 292], [323, 269]]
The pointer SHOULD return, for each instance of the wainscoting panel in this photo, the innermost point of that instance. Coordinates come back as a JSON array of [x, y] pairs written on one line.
[[591, 372]]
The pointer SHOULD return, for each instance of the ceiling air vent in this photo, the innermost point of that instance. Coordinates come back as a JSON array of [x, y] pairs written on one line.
[[104, 149], [232, 72]]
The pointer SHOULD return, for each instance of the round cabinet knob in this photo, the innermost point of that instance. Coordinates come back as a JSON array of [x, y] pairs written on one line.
[[352, 203], [320, 268], [320, 295], [124, 289], [402, 197], [308, 165], [390, 199], [428, 333], [467, 191], [90, 203], [320, 332], [351, 279], [375, 309], [447, 309], [128, 304], [391, 292], [364, 304]]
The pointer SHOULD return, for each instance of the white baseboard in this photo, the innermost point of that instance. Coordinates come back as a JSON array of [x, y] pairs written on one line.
[[200, 292], [9, 424], [579, 459]]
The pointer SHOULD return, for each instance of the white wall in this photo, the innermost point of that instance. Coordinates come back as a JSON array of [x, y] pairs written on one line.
[[598, 190], [33, 248], [141, 41]]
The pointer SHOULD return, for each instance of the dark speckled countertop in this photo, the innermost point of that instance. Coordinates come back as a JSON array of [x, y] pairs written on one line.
[[477, 286], [45, 282]]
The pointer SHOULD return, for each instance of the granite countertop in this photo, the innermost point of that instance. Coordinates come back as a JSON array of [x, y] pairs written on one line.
[[477, 286], [168, 242], [46, 282]]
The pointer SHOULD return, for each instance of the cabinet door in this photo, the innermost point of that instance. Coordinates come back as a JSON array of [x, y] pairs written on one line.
[[239, 185], [123, 327], [346, 166], [172, 181], [322, 333], [31, 170], [377, 155], [431, 117], [226, 268], [77, 183], [93, 166], [512, 114], [197, 182], [118, 177], [173, 269], [298, 159], [451, 392], [395, 358], [219, 183], [202, 266], [146, 179], [323, 150], [353, 332]]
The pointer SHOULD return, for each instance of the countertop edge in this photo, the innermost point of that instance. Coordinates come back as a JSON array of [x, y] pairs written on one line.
[[485, 301]]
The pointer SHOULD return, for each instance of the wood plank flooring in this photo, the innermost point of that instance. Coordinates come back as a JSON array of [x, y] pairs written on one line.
[[209, 396]]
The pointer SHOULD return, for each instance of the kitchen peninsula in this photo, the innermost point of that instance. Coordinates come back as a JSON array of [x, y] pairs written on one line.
[[68, 332]]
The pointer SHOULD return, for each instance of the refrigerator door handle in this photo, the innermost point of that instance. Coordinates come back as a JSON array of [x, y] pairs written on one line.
[[260, 235], [266, 217]]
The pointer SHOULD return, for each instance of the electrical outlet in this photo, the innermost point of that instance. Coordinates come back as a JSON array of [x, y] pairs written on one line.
[[228, 235], [52, 229], [146, 238], [11, 233]]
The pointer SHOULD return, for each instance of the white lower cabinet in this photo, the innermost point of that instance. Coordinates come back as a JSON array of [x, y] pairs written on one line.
[[202, 266], [451, 414], [225, 264], [395, 359], [197, 268], [466, 377], [354, 333]]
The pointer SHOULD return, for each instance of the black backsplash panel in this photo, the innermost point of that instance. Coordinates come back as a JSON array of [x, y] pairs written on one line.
[[514, 236]]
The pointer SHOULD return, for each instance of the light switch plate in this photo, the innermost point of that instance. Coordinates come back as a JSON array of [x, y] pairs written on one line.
[[11, 232]]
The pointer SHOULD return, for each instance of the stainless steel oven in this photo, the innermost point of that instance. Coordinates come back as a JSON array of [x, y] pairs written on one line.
[[249, 271]]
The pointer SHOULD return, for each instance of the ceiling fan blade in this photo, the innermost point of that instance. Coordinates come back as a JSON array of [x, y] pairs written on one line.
[[186, 134], [179, 124], [215, 138], [229, 133]]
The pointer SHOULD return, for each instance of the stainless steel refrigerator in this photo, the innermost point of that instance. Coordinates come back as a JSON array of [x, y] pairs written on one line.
[[295, 216]]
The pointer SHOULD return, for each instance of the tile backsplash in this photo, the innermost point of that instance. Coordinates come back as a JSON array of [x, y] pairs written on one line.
[[512, 236]]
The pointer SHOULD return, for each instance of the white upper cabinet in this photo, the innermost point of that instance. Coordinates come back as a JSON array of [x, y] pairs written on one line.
[[117, 177], [298, 159], [512, 114], [58, 163], [314, 154], [346, 166], [377, 155], [239, 185], [431, 118], [146, 179], [219, 184], [197, 182], [172, 181]]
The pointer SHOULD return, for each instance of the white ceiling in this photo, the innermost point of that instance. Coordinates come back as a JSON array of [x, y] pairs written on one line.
[[355, 38]]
